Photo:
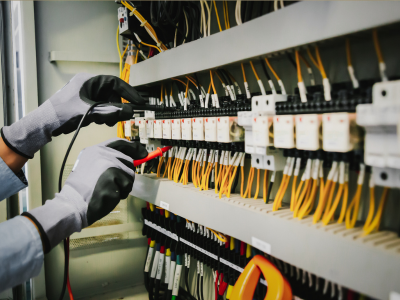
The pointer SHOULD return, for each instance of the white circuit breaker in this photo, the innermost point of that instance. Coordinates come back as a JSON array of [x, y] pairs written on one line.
[[284, 132], [210, 129], [198, 129], [166, 128], [308, 132], [186, 125]]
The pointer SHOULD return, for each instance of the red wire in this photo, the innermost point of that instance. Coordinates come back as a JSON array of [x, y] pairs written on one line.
[[216, 285], [71, 297]]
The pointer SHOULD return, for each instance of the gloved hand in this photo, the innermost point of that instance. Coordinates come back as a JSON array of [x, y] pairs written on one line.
[[101, 177], [64, 110]]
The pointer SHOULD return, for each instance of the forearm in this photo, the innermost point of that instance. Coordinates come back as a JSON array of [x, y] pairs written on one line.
[[21, 254], [13, 160]]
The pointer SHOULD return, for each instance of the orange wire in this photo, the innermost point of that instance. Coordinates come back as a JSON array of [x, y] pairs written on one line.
[[254, 71], [187, 88], [321, 67], [272, 70], [191, 80], [212, 82], [244, 73], [178, 80], [299, 77], [314, 61]]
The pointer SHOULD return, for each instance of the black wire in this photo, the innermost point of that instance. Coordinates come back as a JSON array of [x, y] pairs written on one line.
[[269, 190], [201, 287], [291, 60], [265, 69], [198, 287], [66, 256]]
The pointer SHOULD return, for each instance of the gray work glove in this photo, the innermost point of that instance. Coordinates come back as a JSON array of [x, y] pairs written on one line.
[[101, 177], [64, 110]]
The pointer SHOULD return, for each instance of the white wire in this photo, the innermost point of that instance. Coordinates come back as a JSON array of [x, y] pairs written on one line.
[[187, 27], [209, 18], [282, 5], [203, 18], [275, 5], [176, 32], [238, 12]]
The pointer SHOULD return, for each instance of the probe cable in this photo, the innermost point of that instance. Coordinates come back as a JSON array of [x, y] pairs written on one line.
[[66, 241]]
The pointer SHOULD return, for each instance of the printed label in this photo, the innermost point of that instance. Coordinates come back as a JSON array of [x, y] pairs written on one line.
[[164, 205], [148, 260], [261, 245]]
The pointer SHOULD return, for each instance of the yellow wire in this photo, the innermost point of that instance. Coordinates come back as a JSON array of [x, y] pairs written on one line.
[[371, 207], [159, 166], [321, 67], [278, 194], [300, 197], [119, 53], [293, 197], [176, 79], [330, 198], [348, 53], [212, 81], [310, 200], [344, 203], [352, 211], [216, 13], [258, 184], [272, 70], [254, 70], [304, 60], [191, 80], [329, 213], [374, 226], [299, 76], [231, 182], [377, 46], [241, 181], [265, 186], [314, 61], [152, 46], [219, 235], [244, 73], [322, 201]]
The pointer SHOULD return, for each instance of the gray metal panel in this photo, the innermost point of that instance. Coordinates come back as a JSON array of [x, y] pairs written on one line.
[[369, 265], [98, 56], [299, 24]]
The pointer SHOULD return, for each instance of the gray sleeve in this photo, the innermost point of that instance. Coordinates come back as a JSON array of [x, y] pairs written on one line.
[[21, 252], [9, 182]]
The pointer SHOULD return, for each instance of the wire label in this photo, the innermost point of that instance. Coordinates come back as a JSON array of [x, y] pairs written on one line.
[[164, 205], [261, 245]]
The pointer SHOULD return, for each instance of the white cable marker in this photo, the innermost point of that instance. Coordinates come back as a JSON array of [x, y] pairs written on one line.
[[327, 89], [262, 88]]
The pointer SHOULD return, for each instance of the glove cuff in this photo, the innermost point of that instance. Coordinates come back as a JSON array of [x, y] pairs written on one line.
[[32, 132], [57, 219]]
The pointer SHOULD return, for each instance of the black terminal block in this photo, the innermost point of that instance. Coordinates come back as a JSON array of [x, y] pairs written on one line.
[[344, 99]]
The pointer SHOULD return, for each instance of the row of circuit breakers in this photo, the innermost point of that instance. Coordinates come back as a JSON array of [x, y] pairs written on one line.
[[372, 130]]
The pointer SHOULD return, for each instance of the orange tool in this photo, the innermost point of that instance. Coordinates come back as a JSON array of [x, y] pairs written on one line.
[[278, 287], [151, 155]]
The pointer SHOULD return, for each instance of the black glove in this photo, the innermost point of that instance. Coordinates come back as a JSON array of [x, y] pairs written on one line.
[[101, 177], [64, 110]]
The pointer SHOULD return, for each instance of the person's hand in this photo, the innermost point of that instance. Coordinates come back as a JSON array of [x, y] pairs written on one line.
[[64, 110], [101, 177]]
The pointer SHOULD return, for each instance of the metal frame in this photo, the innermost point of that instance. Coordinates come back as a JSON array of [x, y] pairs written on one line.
[[369, 265]]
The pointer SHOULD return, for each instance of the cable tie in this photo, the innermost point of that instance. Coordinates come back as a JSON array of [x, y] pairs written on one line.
[[143, 23]]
